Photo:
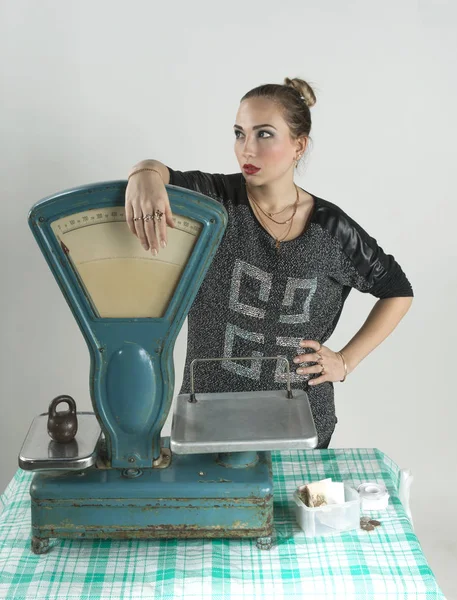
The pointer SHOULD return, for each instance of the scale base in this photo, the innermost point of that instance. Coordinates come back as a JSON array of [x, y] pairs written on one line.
[[195, 497]]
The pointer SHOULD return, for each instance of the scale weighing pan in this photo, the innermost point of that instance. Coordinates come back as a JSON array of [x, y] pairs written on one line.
[[40, 453], [242, 421]]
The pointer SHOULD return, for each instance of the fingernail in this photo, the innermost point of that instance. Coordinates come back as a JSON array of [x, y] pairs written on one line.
[[145, 247], [163, 243], [296, 360], [300, 371], [154, 252]]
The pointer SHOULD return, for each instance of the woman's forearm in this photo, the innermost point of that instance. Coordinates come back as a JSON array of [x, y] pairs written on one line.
[[150, 163], [382, 320]]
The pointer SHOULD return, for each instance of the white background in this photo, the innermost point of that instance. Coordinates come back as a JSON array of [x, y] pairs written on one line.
[[89, 88]]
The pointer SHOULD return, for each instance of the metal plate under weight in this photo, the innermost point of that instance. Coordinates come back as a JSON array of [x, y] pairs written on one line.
[[242, 421], [40, 452]]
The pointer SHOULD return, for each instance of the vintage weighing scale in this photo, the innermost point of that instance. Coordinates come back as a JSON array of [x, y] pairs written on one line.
[[118, 478]]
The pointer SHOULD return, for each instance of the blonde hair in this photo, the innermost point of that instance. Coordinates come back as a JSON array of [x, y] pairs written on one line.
[[294, 98]]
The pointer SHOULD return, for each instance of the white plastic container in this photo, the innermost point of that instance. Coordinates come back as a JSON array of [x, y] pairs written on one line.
[[329, 519]]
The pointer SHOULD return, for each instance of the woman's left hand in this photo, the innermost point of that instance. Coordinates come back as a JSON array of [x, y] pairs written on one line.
[[330, 364]]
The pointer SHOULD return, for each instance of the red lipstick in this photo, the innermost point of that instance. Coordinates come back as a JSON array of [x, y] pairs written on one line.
[[250, 169]]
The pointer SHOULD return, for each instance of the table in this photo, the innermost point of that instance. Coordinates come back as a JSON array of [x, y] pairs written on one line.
[[381, 564]]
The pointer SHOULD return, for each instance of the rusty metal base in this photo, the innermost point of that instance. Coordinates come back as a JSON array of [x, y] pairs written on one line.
[[195, 497]]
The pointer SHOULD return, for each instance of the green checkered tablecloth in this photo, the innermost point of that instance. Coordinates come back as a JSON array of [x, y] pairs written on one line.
[[381, 564]]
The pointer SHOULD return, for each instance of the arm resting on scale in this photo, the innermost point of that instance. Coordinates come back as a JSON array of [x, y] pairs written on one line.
[[153, 164]]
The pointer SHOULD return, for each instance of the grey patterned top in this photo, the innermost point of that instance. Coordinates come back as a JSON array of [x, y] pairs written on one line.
[[255, 301]]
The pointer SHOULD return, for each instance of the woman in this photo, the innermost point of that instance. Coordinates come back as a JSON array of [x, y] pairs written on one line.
[[285, 266]]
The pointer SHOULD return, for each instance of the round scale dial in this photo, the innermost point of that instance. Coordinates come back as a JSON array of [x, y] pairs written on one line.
[[120, 278]]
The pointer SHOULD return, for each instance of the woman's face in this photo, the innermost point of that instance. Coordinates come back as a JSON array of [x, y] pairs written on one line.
[[262, 139]]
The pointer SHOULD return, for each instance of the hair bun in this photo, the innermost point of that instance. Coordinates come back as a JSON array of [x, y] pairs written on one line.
[[303, 88]]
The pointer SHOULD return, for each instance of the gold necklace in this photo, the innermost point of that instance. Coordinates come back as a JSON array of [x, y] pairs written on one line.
[[271, 214], [268, 215], [278, 241]]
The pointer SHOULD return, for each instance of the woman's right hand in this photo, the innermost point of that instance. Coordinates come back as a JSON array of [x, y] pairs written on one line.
[[145, 194]]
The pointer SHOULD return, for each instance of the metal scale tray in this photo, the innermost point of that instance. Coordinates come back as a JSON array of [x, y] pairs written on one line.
[[237, 422], [40, 453], [242, 421]]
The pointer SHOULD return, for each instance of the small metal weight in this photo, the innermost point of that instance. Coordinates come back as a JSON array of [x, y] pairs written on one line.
[[62, 425]]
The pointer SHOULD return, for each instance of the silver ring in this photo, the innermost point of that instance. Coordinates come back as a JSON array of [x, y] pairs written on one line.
[[148, 217], [137, 218]]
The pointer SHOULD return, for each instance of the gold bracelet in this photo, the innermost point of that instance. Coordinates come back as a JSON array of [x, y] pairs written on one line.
[[143, 169], [345, 367]]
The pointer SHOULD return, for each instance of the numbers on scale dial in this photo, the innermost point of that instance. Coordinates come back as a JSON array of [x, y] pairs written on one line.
[[94, 217]]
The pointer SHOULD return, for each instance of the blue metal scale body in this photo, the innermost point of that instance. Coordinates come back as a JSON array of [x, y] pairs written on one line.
[[131, 388], [193, 497]]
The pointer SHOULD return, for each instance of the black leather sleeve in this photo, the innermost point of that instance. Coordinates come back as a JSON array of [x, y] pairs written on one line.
[[374, 271], [209, 184]]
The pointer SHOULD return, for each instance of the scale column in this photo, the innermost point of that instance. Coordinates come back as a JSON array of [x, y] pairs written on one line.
[[237, 460]]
